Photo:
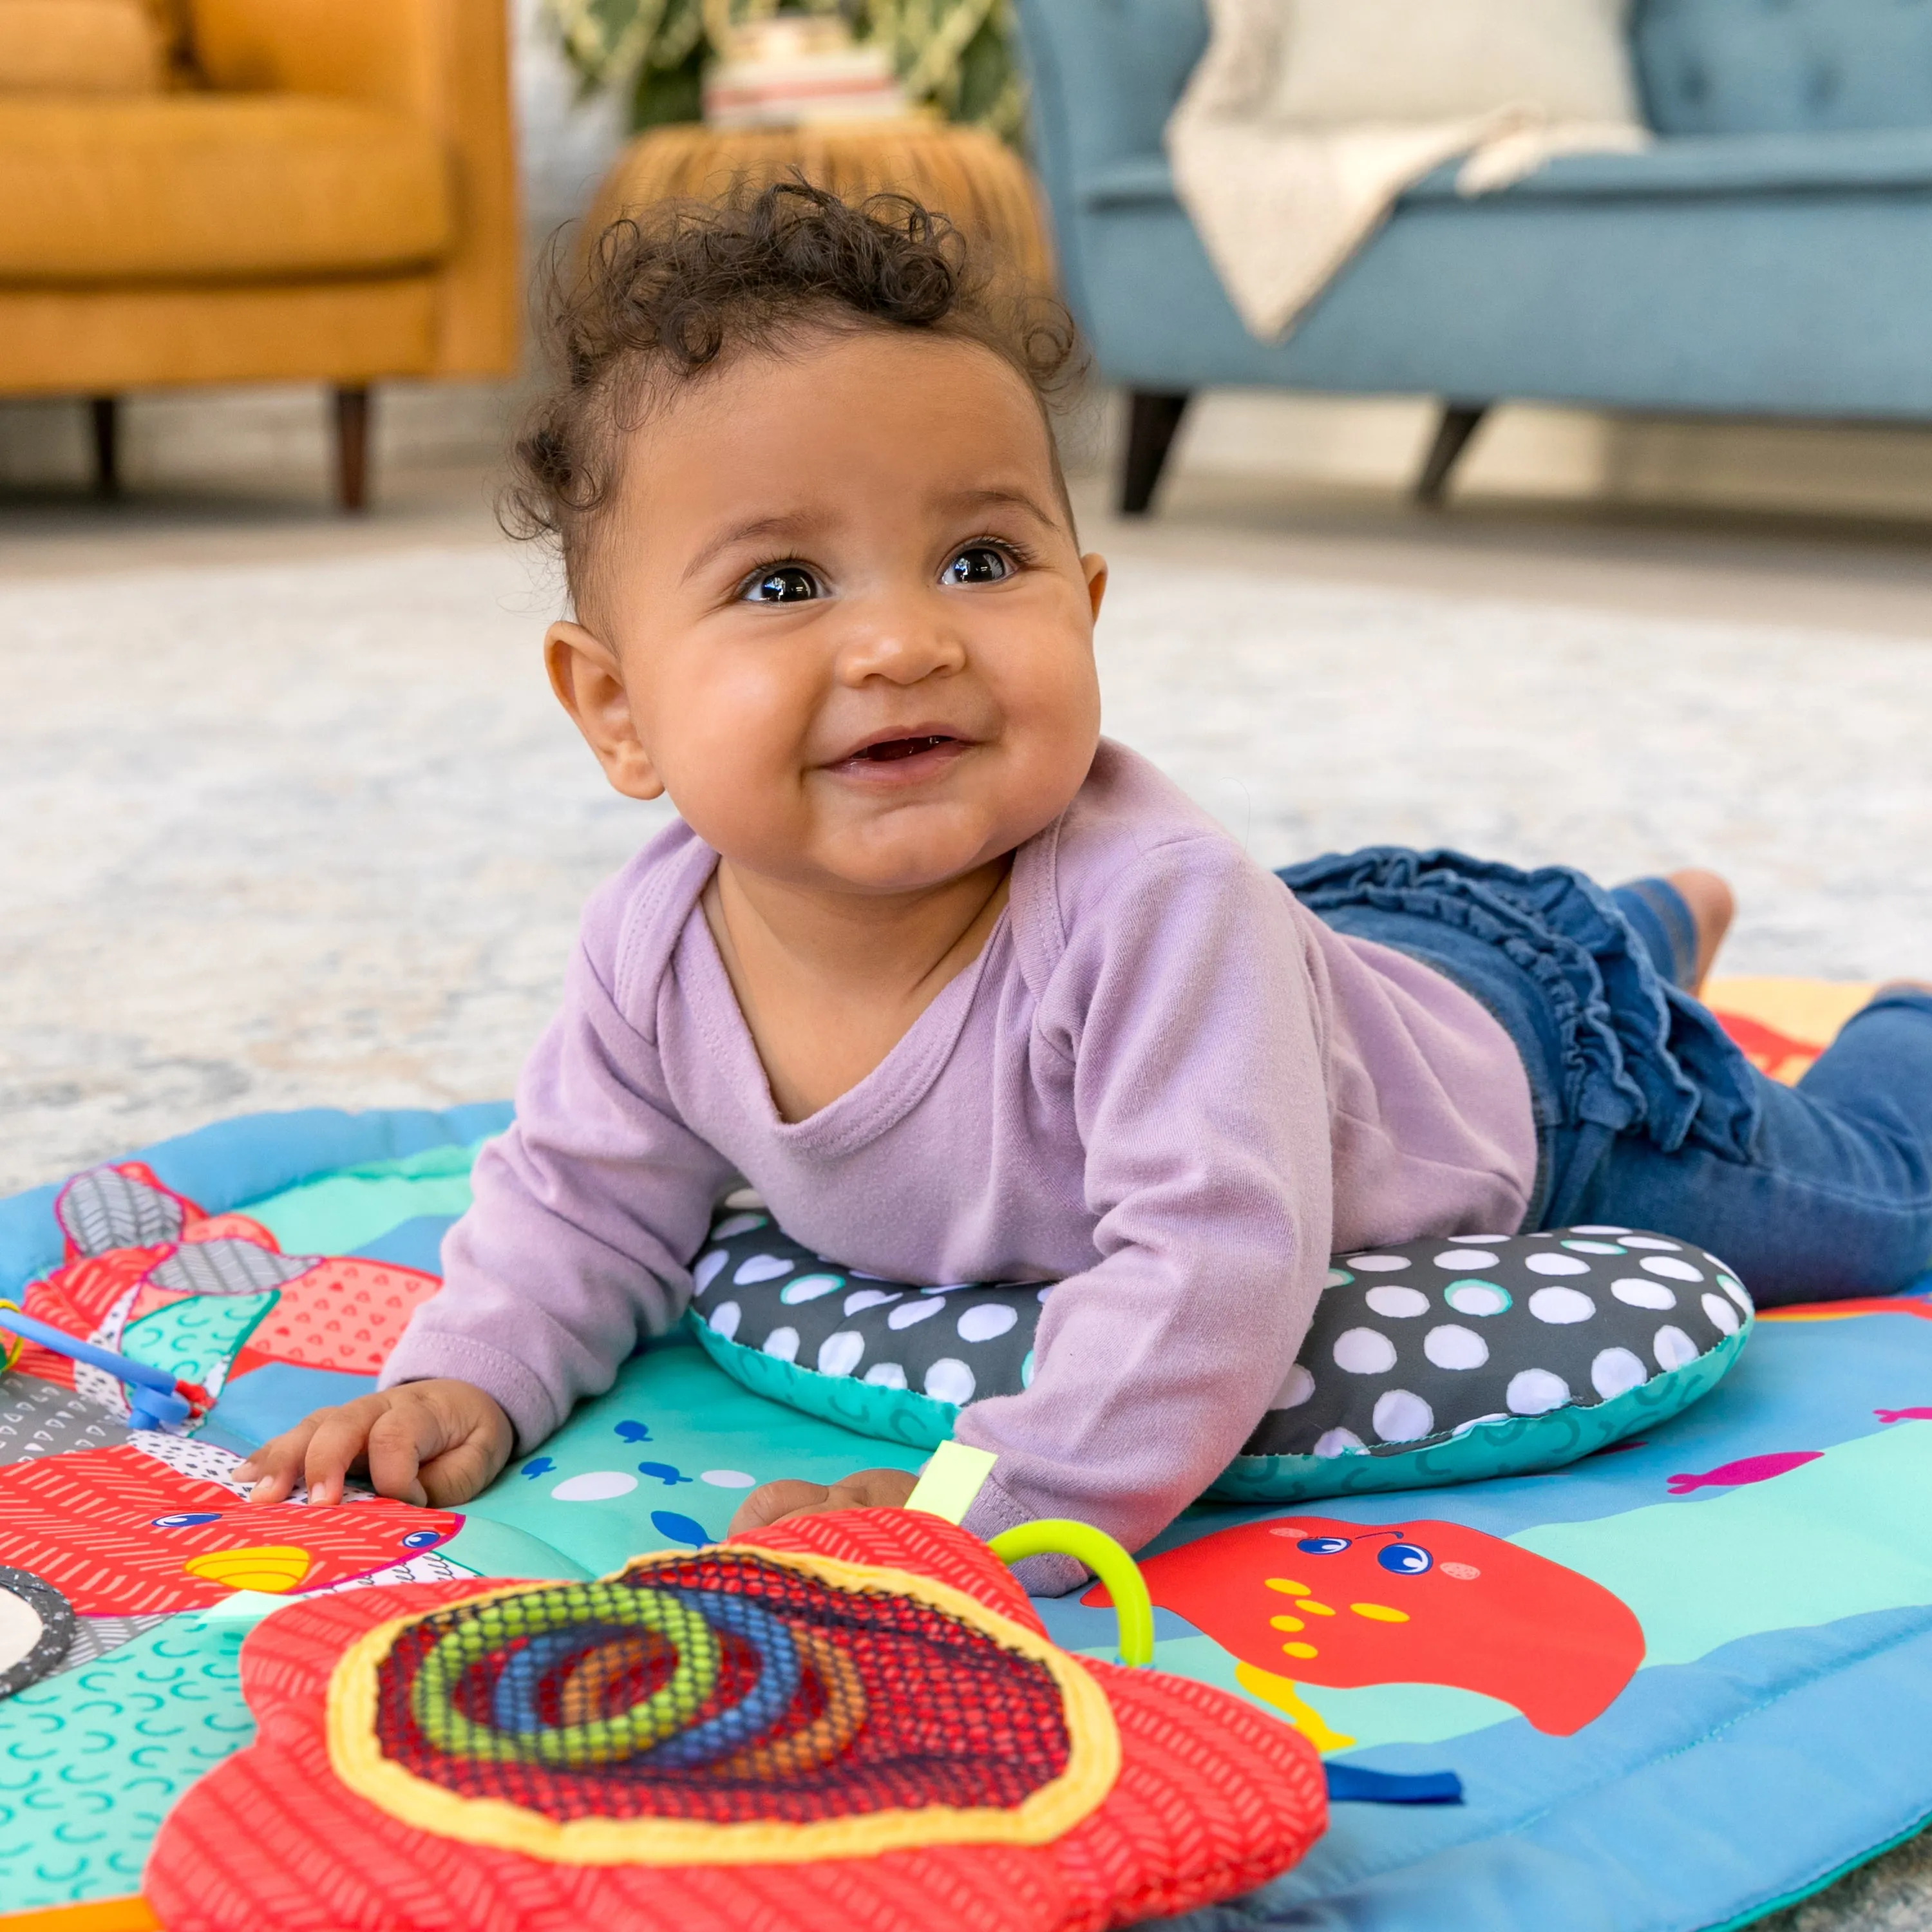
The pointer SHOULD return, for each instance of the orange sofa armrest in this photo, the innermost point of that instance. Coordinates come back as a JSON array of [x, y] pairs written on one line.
[[447, 61]]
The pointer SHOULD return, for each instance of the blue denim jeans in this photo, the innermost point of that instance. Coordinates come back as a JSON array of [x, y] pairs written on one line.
[[1647, 1114]]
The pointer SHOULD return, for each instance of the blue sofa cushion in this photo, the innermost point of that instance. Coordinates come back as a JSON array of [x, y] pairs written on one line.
[[1735, 164], [1761, 66]]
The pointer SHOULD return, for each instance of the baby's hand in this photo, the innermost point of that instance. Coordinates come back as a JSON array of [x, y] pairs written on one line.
[[438, 1442], [870, 1488]]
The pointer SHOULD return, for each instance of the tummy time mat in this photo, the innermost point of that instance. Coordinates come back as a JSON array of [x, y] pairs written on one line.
[[1682, 1680]]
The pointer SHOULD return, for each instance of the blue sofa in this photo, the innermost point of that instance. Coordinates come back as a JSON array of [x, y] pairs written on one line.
[[1771, 256]]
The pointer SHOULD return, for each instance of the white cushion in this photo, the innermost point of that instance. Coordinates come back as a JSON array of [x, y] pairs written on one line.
[[1356, 62]]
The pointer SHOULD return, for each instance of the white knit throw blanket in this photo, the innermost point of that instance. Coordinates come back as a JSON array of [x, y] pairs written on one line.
[[1281, 209]]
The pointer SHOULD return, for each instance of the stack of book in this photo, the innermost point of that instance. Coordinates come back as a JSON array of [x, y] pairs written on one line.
[[794, 71]]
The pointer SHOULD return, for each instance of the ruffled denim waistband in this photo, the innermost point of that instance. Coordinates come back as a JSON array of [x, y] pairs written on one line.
[[1617, 1047]]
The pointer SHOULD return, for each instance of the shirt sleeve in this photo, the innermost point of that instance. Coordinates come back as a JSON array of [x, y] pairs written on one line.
[[584, 1216], [1190, 1005]]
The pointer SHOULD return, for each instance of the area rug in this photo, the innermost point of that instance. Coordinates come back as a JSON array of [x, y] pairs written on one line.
[[1735, 1707], [318, 834]]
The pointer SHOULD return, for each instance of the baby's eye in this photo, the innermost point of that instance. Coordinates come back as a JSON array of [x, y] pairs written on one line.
[[978, 563], [790, 583]]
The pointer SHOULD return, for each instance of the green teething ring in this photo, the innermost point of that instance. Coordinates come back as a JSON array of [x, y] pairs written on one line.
[[602, 1740], [1054, 1536]]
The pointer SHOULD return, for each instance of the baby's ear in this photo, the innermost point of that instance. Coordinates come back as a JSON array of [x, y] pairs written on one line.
[[585, 674], [1093, 568]]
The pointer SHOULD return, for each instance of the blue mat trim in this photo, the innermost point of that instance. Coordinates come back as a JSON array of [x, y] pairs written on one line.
[[233, 1162]]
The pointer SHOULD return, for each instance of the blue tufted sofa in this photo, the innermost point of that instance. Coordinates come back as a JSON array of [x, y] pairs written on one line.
[[1771, 255]]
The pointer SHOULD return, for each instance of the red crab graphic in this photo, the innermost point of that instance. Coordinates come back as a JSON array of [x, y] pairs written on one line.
[[1348, 1604]]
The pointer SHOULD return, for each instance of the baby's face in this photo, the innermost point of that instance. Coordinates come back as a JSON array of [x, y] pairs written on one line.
[[840, 615]]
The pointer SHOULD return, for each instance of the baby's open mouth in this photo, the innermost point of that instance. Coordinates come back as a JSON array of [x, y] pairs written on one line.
[[888, 749]]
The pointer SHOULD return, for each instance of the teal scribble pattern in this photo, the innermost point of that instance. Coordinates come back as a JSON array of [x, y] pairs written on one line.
[[196, 1339], [91, 1760]]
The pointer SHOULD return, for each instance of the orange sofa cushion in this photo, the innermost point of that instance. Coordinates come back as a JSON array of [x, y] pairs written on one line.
[[79, 47], [186, 186]]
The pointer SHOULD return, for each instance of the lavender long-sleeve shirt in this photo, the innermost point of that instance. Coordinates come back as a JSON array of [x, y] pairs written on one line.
[[1163, 1084]]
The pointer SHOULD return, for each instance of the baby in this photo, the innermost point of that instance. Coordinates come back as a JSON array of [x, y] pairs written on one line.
[[968, 992]]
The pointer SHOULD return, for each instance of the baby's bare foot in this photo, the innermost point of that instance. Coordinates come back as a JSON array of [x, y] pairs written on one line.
[[1712, 908]]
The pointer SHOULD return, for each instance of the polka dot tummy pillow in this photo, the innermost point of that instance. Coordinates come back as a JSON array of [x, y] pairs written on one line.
[[1436, 1361]]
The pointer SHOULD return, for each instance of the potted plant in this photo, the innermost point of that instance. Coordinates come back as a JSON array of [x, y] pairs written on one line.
[[952, 57]]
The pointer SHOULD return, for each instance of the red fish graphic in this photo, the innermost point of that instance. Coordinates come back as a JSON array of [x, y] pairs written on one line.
[[120, 1534]]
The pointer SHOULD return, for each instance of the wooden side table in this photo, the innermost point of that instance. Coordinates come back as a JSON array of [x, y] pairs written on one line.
[[964, 172]]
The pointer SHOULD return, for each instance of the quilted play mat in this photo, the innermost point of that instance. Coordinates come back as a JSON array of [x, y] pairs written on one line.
[[1682, 1681]]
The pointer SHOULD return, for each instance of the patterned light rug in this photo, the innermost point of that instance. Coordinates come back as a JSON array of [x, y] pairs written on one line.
[[319, 833]]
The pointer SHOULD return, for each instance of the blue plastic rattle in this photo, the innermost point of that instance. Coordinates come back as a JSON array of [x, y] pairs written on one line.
[[155, 1399]]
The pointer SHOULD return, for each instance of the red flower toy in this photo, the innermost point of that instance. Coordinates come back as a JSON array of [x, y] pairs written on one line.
[[849, 1721]]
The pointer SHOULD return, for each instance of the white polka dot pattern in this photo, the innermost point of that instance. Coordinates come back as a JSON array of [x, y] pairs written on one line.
[[1397, 1304], [1671, 1268], [950, 1381], [1364, 1351], [1673, 1349], [809, 1288], [1722, 1314], [1477, 1298], [982, 1323], [1536, 1392], [1556, 1265], [1403, 1417], [1559, 1306], [1635, 1293], [1412, 1346], [1615, 1371], [761, 1268], [840, 1354], [1515, 1330], [1451, 1346], [1297, 1387]]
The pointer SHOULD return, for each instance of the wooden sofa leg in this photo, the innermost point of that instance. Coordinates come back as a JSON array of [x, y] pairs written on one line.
[[1152, 417], [351, 448], [106, 412], [1458, 422]]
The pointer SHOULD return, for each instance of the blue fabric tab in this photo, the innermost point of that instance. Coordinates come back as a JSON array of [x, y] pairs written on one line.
[[1355, 1784]]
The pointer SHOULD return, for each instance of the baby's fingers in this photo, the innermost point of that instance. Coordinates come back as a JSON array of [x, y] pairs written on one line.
[[341, 1435], [770, 1501], [273, 1471], [462, 1472], [400, 1440]]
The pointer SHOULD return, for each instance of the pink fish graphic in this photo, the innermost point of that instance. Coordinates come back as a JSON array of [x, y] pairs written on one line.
[[1904, 1414], [1752, 1469]]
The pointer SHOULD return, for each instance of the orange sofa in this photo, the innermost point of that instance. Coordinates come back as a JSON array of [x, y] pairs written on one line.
[[206, 191]]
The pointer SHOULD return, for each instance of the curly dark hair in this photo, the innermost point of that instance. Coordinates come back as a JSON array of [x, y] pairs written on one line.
[[666, 299]]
